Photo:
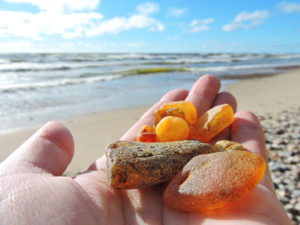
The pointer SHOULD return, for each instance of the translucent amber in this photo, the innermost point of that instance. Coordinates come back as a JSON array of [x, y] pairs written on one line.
[[146, 137], [146, 134], [172, 128], [193, 135], [212, 122], [146, 128], [163, 112], [189, 110], [225, 145], [212, 181]]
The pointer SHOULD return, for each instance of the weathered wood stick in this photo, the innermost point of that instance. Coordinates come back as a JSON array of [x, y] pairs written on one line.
[[136, 164]]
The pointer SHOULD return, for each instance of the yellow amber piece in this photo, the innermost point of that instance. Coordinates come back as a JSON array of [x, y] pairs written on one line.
[[225, 145], [163, 112], [189, 110], [212, 181], [172, 128], [146, 128], [213, 121]]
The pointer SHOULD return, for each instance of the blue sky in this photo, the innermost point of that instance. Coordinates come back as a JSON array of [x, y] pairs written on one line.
[[149, 26]]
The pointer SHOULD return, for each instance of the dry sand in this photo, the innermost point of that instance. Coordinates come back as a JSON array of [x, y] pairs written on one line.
[[93, 132]]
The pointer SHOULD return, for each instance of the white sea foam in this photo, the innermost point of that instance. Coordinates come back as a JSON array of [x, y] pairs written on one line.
[[31, 66], [55, 83]]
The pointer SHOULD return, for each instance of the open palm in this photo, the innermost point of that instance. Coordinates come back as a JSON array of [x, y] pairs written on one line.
[[32, 190]]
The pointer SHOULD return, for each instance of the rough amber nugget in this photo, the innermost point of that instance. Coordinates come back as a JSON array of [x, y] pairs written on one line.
[[163, 112], [172, 128], [225, 145], [146, 128], [135, 165], [189, 110], [146, 137], [146, 134], [215, 180], [213, 121]]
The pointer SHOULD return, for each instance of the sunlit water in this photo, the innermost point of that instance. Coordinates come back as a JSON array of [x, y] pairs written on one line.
[[35, 88]]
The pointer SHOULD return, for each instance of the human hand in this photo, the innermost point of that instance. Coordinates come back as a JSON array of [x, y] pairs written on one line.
[[32, 190]]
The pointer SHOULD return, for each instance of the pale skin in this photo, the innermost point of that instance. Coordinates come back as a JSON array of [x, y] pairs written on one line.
[[32, 190]]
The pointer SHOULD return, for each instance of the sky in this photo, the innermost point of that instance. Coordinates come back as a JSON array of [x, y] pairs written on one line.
[[260, 26]]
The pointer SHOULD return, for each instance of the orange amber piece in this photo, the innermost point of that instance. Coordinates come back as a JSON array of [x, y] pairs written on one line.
[[193, 135], [213, 121], [146, 128], [212, 181], [172, 128], [146, 134], [146, 137], [163, 112], [189, 110]]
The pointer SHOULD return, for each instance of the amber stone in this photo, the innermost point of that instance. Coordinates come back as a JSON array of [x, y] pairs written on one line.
[[135, 164], [188, 108], [146, 137], [214, 121], [172, 128], [212, 181], [164, 112]]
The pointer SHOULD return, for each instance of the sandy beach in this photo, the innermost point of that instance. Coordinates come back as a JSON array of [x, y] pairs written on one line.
[[93, 132]]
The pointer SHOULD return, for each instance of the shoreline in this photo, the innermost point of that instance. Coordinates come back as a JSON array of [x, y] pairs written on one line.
[[32, 117], [93, 132]]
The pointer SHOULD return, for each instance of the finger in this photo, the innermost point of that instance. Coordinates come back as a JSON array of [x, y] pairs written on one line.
[[204, 92], [224, 98], [99, 164], [148, 117], [49, 150], [246, 129]]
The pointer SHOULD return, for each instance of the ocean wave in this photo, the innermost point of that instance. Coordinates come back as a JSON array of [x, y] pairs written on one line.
[[65, 62], [288, 56], [55, 83], [4, 61], [24, 67]]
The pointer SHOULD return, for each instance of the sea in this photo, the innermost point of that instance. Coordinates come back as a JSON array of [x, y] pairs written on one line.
[[38, 87]]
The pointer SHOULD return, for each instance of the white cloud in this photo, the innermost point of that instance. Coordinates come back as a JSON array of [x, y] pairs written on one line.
[[61, 5], [289, 7], [177, 12], [147, 8], [139, 20], [246, 20], [31, 25], [75, 18], [200, 25]]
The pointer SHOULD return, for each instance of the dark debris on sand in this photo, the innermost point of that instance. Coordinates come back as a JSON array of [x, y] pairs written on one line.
[[282, 133]]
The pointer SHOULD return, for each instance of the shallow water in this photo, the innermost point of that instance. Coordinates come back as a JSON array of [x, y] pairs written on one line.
[[35, 88]]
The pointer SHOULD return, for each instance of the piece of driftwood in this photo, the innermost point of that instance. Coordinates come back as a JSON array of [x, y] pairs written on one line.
[[136, 164]]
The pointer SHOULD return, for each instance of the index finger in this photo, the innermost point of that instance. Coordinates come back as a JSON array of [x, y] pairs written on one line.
[[204, 92]]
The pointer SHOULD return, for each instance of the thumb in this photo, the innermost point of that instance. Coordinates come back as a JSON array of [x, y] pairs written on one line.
[[246, 129], [49, 150]]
